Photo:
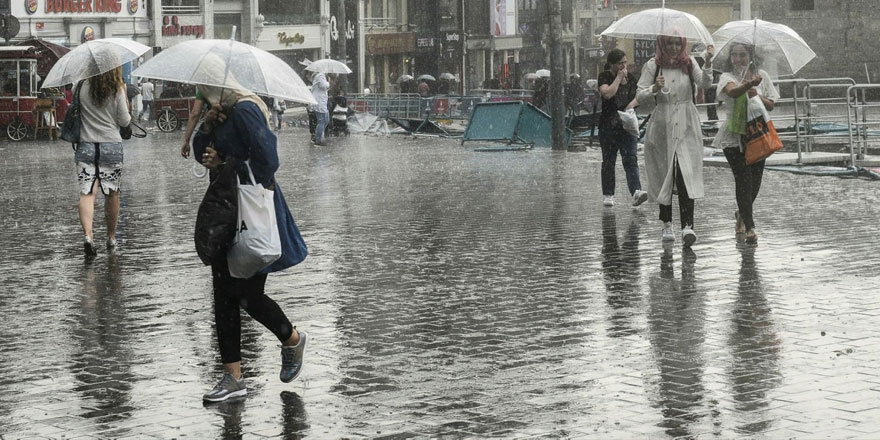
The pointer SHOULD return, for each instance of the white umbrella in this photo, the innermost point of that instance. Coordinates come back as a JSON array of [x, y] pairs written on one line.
[[779, 50], [447, 75], [229, 64], [93, 58], [328, 66], [542, 73], [531, 75], [426, 77], [650, 23], [405, 78]]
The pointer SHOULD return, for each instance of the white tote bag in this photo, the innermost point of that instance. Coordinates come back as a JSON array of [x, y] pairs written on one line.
[[257, 243]]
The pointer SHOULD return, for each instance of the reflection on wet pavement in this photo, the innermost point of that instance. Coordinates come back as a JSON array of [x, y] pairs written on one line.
[[448, 293]]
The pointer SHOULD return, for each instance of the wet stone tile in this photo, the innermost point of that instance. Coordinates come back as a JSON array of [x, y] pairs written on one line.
[[448, 294]]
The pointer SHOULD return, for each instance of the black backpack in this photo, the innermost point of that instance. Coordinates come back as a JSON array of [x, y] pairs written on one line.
[[72, 125]]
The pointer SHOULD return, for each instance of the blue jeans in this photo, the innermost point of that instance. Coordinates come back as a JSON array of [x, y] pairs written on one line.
[[323, 120], [612, 140]]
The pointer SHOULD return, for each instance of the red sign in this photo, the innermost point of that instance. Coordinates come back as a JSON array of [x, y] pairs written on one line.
[[171, 28], [80, 6]]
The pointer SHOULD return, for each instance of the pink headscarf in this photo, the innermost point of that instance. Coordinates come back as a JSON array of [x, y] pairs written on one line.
[[666, 61]]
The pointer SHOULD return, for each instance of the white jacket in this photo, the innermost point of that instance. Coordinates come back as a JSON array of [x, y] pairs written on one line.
[[673, 130]]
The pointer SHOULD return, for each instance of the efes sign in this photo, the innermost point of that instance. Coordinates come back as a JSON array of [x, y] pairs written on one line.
[[79, 8]]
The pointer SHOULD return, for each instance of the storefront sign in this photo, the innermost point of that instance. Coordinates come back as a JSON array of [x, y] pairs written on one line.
[[171, 27], [643, 50], [289, 37], [290, 40], [78, 8], [383, 44], [503, 17]]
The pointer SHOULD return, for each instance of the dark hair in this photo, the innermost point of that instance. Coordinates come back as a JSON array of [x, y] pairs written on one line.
[[615, 56]]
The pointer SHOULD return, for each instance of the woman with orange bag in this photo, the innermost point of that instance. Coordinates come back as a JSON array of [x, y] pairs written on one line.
[[744, 78]]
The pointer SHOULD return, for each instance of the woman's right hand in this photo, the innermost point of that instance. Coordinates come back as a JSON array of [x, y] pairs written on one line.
[[659, 84]]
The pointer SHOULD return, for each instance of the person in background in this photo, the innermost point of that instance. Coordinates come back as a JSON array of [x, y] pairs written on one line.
[[424, 88], [147, 96], [618, 89], [104, 109], [673, 136], [743, 78], [574, 94], [320, 86]]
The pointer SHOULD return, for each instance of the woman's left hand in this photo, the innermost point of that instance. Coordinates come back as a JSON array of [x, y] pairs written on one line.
[[210, 159]]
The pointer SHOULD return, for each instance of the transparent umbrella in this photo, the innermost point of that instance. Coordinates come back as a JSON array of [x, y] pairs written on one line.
[[650, 23], [93, 58], [426, 77], [778, 49], [447, 75], [405, 78], [542, 73], [229, 64], [328, 66]]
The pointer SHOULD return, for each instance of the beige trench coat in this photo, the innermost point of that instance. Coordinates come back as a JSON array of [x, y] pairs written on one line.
[[673, 131]]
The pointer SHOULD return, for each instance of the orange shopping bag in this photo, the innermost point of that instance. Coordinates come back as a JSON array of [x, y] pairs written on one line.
[[761, 139]]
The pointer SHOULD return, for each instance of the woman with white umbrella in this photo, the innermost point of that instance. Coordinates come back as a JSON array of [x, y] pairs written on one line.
[[744, 78], [104, 109], [238, 127], [673, 138]]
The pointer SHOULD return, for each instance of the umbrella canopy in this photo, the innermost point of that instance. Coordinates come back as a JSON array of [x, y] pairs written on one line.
[[426, 77], [328, 66], [93, 58], [650, 23], [405, 78], [542, 73], [779, 50], [447, 75], [531, 75], [229, 64]]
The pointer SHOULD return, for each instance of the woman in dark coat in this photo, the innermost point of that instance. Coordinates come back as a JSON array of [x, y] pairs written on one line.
[[237, 127]]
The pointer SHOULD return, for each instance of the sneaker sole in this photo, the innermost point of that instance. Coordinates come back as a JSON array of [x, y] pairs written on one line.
[[238, 393], [90, 249], [642, 199], [689, 240], [305, 342]]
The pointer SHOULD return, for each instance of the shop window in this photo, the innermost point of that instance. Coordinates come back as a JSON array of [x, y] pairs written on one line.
[[223, 24], [281, 12], [802, 5]]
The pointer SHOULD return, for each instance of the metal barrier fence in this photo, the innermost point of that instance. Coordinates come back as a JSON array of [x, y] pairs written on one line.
[[802, 111], [859, 105]]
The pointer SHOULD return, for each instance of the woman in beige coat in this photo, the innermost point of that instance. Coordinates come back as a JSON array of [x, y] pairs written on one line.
[[673, 139]]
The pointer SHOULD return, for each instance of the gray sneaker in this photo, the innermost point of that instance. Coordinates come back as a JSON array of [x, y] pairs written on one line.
[[292, 358], [227, 388]]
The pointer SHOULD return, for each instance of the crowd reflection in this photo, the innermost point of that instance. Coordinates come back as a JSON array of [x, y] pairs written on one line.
[[676, 321], [621, 269], [102, 357], [754, 346]]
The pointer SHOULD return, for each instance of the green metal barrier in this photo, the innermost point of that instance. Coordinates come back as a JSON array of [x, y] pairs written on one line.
[[512, 122]]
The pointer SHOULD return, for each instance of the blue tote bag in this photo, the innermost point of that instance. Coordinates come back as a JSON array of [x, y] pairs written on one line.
[[293, 248]]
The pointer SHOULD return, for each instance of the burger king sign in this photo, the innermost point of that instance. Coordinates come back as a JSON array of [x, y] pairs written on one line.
[[30, 6]]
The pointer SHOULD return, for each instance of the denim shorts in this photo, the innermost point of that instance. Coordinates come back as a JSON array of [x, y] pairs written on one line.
[[101, 161]]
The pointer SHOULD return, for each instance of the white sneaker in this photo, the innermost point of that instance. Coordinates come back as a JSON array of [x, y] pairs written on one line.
[[667, 234], [688, 236], [608, 200], [639, 197]]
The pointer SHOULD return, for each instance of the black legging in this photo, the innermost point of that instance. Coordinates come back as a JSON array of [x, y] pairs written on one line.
[[748, 183], [685, 203], [230, 294]]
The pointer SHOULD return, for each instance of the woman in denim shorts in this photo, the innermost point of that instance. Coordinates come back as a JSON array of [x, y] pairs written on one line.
[[98, 154]]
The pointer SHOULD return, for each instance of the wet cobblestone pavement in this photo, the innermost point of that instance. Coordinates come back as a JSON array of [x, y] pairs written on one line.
[[448, 294]]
